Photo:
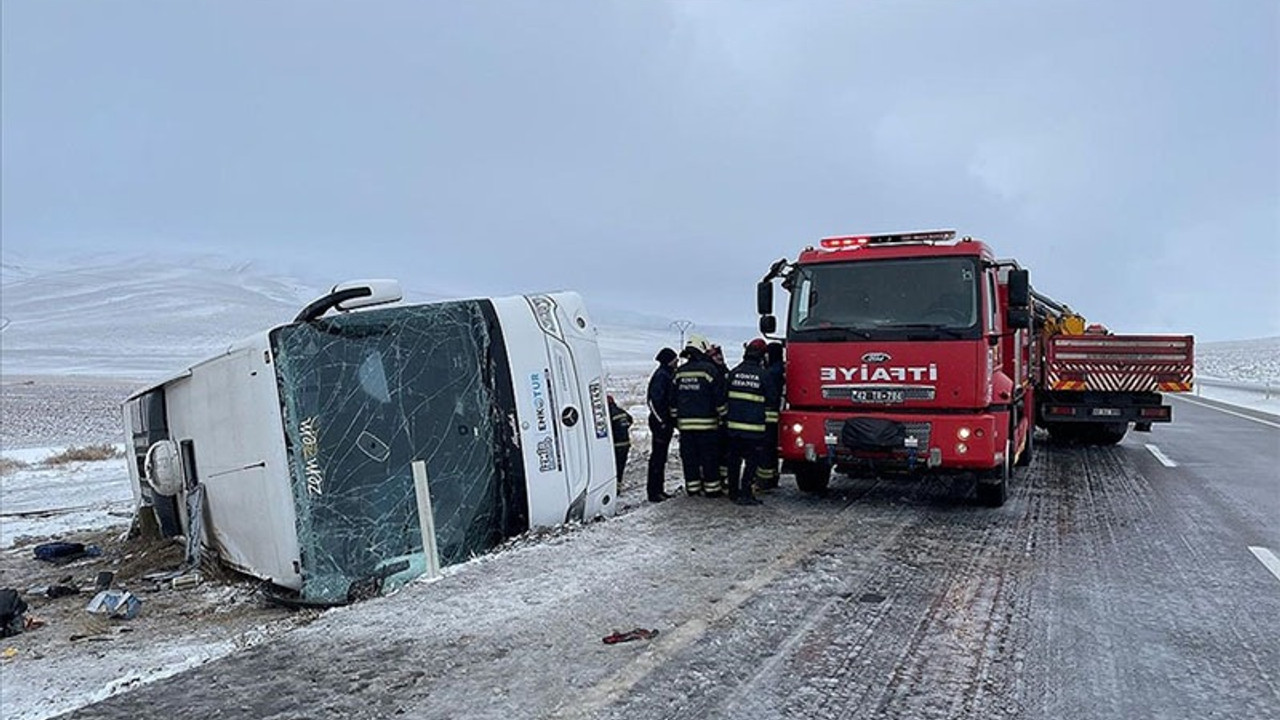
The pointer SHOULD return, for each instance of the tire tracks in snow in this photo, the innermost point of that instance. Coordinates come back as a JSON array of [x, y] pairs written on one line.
[[615, 687], [910, 615]]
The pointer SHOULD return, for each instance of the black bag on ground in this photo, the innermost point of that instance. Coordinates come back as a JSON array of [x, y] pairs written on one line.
[[60, 552], [12, 607]]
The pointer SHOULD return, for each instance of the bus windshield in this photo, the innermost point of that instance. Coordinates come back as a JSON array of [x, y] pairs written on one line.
[[913, 298], [366, 394]]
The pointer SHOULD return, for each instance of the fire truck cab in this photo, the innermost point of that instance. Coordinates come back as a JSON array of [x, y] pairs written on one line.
[[904, 352]]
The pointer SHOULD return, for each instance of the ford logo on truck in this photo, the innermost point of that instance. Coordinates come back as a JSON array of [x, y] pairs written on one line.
[[876, 357]]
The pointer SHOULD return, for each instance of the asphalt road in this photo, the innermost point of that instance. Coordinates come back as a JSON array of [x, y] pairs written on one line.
[[1119, 582]]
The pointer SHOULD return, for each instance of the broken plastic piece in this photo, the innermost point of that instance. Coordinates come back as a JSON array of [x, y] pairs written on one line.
[[190, 580], [119, 604]]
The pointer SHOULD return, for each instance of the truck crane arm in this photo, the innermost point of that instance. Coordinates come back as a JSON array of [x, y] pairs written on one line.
[[1056, 318]]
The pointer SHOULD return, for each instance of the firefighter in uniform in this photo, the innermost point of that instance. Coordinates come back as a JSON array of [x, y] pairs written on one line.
[[716, 355], [660, 399], [767, 473], [620, 422], [751, 390], [699, 405]]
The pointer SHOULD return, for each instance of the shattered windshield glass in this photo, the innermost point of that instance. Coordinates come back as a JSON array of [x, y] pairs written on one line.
[[366, 394], [885, 299]]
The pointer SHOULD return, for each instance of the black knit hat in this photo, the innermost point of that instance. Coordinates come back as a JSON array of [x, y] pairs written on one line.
[[665, 355]]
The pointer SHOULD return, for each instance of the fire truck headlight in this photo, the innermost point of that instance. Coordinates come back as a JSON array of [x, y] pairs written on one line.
[[962, 448], [797, 428], [799, 442], [963, 433]]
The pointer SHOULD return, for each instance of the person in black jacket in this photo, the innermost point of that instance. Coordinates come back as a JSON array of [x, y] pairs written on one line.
[[767, 473], [661, 398], [620, 423], [699, 406], [751, 391], [716, 355]]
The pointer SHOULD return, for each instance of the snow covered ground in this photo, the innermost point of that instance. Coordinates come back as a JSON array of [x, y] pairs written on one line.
[[41, 500], [1243, 372], [76, 342]]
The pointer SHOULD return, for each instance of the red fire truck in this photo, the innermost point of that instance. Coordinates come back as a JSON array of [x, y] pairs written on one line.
[[921, 352]]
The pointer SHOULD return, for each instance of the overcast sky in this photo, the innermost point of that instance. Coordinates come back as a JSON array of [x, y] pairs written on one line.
[[658, 156]]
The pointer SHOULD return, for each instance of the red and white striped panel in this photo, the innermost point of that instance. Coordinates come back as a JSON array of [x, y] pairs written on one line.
[[1126, 377]]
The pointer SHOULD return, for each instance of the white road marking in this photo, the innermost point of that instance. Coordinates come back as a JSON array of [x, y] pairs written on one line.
[[1224, 410], [1164, 459], [1268, 559]]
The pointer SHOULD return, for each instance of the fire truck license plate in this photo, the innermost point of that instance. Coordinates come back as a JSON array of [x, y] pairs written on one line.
[[878, 396]]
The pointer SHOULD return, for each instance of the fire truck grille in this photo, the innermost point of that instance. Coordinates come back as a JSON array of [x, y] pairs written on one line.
[[918, 430], [878, 394]]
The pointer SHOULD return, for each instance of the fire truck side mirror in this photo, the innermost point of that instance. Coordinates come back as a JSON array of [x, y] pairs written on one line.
[[1019, 289], [764, 298], [1019, 317], [768, 324]]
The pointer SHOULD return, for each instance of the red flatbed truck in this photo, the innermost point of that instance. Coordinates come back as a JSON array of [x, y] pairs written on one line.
[[922, 352]]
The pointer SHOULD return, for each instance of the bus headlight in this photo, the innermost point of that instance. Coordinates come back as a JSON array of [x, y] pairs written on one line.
[[544, 310]]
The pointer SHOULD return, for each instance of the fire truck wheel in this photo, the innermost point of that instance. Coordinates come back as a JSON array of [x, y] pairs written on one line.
[[1108, 434], [1065, 433], [813, 477], [1029, 450], [993, 486]]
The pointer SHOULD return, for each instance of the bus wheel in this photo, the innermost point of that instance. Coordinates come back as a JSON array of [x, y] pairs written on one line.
[[812, 477], [993, 486]]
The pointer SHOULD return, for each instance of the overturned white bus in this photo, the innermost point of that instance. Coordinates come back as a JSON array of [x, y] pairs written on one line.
[[293, 453]]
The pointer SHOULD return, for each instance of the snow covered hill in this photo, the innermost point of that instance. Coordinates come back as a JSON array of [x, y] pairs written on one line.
[[143, 317], [134, 316]]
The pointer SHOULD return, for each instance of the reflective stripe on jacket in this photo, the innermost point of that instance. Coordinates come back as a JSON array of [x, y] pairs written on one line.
[[699, 395], [750, 391], [774, 373]]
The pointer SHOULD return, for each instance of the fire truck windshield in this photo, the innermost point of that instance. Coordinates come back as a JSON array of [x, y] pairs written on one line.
[[911, 298]]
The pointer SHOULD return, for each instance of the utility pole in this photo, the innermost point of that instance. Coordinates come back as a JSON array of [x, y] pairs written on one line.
[[682, 326]]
